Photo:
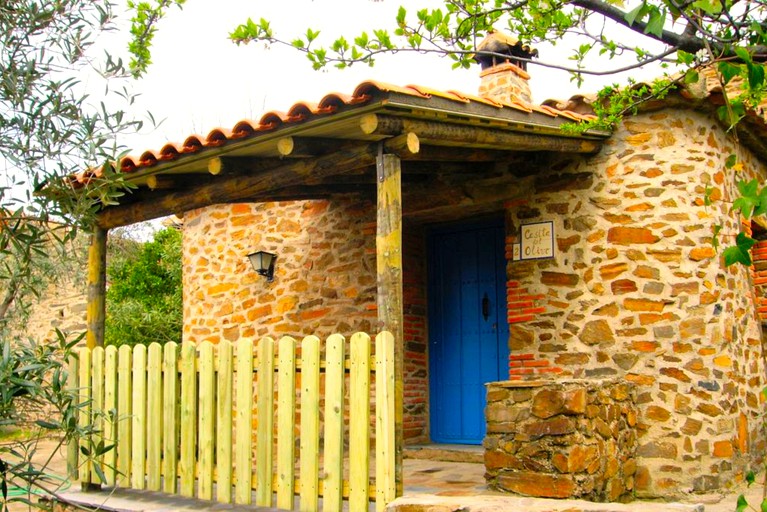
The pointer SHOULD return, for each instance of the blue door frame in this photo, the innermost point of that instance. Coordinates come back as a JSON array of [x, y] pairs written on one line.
[[468, 328]]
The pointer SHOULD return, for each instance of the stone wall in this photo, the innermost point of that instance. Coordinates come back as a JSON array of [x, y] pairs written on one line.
[[324, 274], [570, 439], [636, 291], [325, 280]]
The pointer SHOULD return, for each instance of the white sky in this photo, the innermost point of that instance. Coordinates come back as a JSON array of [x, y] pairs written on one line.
[[200, 80]]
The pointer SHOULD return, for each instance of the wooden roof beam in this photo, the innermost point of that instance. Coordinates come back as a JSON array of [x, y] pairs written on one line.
[[236, 187], [220, 165], [439, 133]]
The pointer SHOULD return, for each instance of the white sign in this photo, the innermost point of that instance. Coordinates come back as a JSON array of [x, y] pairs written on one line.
[[536, 241]]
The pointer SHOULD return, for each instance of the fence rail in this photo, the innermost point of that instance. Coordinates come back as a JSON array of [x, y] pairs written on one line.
[[199, 420]]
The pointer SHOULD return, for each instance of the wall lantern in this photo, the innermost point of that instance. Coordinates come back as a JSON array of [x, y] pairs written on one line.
[[263, 263]]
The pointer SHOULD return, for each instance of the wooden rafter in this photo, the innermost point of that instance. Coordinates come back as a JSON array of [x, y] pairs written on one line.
[[246, 186], [438, 133]]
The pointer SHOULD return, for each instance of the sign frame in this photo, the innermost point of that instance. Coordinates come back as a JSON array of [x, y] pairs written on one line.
[[529, 242]]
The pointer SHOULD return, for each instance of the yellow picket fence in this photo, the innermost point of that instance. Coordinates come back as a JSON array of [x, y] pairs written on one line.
[[198, 420]]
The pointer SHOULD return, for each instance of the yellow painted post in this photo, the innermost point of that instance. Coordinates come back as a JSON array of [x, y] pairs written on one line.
[[265, 411], [97, 408], [154, 417], [138, 453], [286, 416], [97, 286], [244, 407], [124, 413], [385, 410], [207, 419], [73, 449], [170, 417], [188, 419], [359, 422], [224, 423], [332, 496], [389, 293], [310, 425], [110, 413], [84, 418]]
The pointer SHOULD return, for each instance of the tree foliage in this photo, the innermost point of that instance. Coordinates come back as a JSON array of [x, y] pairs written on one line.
[[689, 34], [51, 127], [54, 123], [144, 298]]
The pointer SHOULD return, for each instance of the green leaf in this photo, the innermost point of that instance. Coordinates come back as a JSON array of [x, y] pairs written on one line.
[[48, 424], [750, 477], [728, 71], [742, 504], [763, 506], [401, 15], [655, 24], [691, 76], [731, 161], [740, 252], [715, 236], [635, 13], [743, 54], [755, 76], [710, 7]]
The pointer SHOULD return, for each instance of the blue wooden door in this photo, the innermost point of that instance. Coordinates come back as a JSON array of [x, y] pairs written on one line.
[[468, 330]]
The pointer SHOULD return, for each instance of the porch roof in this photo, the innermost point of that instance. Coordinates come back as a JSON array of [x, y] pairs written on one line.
[[330, 147]]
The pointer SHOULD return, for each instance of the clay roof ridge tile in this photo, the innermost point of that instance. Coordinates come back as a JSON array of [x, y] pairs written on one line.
[[367, 86], [331, 101]]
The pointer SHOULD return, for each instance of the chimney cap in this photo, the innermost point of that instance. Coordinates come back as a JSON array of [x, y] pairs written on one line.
[[505, 44]]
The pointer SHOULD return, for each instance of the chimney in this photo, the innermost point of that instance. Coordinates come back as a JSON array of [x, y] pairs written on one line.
[[504, 77]]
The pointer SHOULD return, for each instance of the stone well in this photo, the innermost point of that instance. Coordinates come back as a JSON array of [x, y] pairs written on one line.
[[569, 439]]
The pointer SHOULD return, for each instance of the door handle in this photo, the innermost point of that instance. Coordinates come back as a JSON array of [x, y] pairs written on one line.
[[485, 307]]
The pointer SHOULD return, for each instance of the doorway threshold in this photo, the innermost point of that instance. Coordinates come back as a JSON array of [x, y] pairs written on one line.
[[446, 452]]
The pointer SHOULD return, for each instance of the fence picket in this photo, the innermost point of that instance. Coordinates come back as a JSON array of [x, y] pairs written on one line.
[[243, 439], [265, 410], [170, 417], [97, 410], [333, 461], [85, 413], [224, 424], [110, 413], [188, 419], [124, 411], [138, 455], [286, 417], [359, 422], [207, 416], [170, 411], [310, 425], [154, 417], [385, 446], [73, 451]]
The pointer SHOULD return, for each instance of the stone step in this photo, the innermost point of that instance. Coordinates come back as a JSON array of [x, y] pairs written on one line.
[[446, 453]]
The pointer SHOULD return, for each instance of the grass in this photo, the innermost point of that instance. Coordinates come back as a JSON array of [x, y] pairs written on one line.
[[11, 433]]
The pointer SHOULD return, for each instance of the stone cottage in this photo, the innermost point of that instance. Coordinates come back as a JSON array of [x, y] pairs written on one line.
[[574, 271]]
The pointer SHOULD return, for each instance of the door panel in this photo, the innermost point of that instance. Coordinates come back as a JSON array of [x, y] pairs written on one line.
[[468, 339]]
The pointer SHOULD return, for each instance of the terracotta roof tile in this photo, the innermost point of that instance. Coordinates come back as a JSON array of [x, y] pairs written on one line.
[[367, 87], [246, 127], [450, 95], [329, 104]]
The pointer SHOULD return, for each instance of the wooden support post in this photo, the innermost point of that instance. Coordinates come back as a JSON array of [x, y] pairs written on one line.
[[97, 288], [389, 296]]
